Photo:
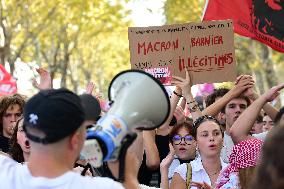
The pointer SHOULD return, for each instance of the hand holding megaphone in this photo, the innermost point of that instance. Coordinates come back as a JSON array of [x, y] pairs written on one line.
[[139, 101]]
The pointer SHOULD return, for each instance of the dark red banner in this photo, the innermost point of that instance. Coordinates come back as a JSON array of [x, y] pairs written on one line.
[[262, 20]]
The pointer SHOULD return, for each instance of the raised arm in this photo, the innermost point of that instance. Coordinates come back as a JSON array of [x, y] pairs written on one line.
[[242, 126], [185, 84], [164, 168], [45, 80], [131, 166], [268, 108], [90, 87], [151, 150], [242, 83], [173, 101], [179, 115]]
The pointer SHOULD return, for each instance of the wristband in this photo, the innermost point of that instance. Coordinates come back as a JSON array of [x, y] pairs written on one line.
[[188, 103], [177, 94], [193, 108]]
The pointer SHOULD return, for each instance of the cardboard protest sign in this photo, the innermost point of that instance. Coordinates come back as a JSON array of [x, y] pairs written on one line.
[[206, 49]]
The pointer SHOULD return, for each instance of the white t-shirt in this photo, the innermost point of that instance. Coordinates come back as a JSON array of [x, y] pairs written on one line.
[[228, 145], [261, 136], [16, 176], [199, 174], [172, 168]]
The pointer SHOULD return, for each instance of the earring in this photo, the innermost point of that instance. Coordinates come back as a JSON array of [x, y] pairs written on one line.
[[197, 154]]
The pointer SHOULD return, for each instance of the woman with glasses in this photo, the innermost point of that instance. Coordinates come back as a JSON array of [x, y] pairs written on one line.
[[183, 150], [204, 170]]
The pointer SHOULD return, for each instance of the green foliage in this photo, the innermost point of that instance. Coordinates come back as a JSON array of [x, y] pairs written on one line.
[[77, 40], [182, 11]]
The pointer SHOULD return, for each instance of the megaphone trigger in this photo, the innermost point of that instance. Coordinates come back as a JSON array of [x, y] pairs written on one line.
[[110, 102]]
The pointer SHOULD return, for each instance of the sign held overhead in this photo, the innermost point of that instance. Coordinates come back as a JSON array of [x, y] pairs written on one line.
[[206, 49]]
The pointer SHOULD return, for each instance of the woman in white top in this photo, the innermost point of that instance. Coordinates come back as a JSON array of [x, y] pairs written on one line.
[[207, 167], [183, 150], [209, 138]]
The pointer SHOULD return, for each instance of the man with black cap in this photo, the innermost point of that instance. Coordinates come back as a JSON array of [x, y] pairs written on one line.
[[54, 124]]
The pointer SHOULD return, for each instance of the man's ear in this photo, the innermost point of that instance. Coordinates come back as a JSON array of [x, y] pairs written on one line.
[[74, 140]]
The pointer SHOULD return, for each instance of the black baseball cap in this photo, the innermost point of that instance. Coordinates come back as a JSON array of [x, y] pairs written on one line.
[[55, 112], [91, 107]]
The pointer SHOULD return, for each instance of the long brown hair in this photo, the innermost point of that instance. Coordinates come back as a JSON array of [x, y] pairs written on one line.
[[270, 172], [16, 151], [245, 176]]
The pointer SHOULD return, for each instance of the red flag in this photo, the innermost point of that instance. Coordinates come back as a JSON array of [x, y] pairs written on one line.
[[8, 84], [259, 19]]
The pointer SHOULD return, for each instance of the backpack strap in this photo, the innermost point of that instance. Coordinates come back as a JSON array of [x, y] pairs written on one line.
[[188, 175]]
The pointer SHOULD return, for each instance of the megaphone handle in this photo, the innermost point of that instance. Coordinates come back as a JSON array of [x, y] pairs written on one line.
[[126, 142], [86, 168]]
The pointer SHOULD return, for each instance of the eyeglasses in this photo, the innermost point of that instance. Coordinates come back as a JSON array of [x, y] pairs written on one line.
[[188, 139], [201, 119]]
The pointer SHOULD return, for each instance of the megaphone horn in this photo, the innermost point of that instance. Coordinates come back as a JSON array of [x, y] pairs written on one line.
[[140, 99]]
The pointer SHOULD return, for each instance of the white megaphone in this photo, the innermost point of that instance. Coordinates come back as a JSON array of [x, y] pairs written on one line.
[[138, 101]]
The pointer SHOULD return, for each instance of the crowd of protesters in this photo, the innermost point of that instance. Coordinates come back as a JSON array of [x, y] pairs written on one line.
[[234, 142]]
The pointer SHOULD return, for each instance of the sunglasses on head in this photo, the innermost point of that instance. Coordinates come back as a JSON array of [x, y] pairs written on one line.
[[204, 118]]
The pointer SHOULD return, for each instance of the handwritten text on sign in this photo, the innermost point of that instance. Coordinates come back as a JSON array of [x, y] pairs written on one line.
[[206, 49]]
